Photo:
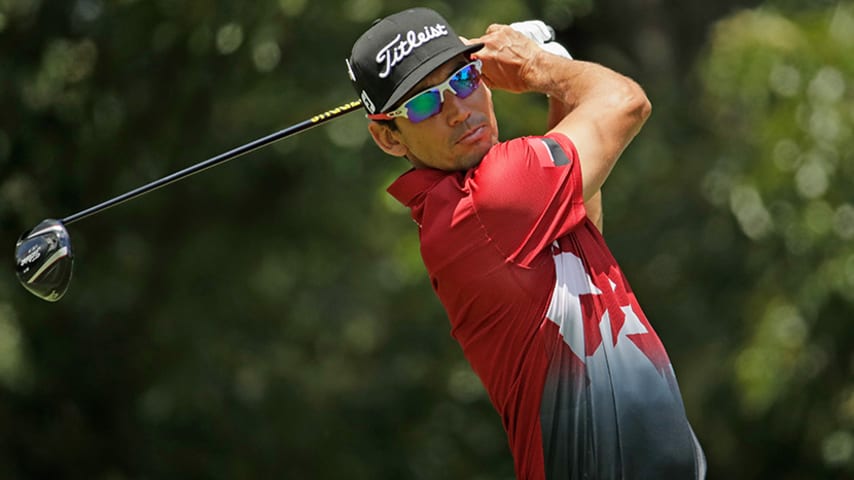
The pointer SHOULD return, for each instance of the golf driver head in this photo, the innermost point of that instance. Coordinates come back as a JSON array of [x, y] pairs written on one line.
[[44, 261]]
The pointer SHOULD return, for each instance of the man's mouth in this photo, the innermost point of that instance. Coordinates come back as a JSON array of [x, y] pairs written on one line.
[[472, 135]]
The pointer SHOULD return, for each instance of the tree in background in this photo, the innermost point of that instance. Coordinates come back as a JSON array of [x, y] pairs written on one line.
[[779, 94]]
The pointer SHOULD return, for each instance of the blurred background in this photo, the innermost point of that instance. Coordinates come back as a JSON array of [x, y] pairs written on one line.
[[271, 318]]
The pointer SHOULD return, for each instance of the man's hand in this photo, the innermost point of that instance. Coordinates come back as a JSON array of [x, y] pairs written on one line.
[[506, 55]]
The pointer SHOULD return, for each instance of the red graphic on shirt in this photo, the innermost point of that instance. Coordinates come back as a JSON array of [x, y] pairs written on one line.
[[612, 301]]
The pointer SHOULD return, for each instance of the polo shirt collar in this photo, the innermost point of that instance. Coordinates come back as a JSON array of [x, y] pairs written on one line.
[[413, 183]]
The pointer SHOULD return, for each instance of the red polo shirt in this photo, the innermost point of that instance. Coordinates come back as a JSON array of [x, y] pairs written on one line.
[[546, 318]]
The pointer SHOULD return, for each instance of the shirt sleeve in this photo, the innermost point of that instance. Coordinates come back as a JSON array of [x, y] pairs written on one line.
[[527, 193]]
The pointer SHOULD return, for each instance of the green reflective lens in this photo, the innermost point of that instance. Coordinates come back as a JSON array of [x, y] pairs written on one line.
[[424, 106]]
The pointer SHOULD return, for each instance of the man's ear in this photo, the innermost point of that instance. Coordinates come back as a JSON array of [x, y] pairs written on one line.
[[387, 139]]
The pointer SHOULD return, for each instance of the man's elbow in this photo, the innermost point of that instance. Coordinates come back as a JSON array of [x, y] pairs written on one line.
[[636, 104], [644, 107], [629, 106]]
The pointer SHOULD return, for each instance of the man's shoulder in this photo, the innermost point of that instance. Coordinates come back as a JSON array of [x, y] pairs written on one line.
[[528, 144], [554, 149]]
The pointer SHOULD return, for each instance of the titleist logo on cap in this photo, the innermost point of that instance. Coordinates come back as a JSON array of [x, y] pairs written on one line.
[[400, 48]]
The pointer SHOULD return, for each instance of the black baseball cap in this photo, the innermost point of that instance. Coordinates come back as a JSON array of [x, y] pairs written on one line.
[[399, 51]]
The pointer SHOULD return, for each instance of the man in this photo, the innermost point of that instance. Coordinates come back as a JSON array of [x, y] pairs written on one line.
[[510, 236]]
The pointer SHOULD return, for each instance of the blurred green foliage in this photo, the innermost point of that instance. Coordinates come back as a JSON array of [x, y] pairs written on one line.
[[271, 318], [779, 92]]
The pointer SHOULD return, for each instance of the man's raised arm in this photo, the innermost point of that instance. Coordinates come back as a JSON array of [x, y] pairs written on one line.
[[604, 109]]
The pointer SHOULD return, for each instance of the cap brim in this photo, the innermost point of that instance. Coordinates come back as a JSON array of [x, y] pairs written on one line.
[[423, 70]]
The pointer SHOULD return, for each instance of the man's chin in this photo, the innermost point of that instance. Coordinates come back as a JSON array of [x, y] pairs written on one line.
[[473, 159]]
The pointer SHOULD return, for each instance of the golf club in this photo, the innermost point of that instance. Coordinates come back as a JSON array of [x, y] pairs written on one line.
[[43, 255]]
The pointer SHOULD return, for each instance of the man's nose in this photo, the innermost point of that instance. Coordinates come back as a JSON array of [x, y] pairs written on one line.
[[455, 108]]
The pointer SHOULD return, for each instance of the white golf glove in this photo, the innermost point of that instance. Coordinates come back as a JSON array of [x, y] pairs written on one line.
[[543, 34]]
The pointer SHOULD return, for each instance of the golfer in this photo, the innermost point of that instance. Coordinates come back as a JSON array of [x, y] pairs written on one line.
[[511, 238]]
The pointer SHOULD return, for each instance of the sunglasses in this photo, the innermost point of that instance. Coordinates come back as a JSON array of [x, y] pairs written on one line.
[[427, 103]]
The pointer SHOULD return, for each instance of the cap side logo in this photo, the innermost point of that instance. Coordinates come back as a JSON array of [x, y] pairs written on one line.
[[400, 48], [366, 101]]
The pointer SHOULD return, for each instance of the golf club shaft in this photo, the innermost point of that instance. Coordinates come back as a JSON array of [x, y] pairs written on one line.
[[217, 160]]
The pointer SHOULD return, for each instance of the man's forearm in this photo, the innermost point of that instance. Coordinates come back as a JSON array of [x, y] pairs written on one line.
[[575, 82]]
